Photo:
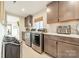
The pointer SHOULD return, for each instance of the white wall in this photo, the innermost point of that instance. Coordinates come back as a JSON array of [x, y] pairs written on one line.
[[11, 19], [21, 26], [2, 33], [41, 13], [52, 27]]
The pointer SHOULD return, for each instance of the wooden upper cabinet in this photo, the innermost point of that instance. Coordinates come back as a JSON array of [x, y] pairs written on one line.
[[52, 12], [2, 12], [66, 11], [76, 5], [28, 20], [62, 11]]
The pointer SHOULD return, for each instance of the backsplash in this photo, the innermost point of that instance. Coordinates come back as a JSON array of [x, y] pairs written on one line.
[[52, 27], [63, 29]]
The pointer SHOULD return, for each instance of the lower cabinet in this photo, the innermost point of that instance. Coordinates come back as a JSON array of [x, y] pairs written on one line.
[[50, 46], [61, 47], [66, 50]]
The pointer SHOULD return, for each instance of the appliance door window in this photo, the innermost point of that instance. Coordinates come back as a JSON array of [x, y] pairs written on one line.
[[37, 40]]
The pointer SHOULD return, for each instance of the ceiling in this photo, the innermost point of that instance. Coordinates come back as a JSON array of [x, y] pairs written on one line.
[[28, 7]]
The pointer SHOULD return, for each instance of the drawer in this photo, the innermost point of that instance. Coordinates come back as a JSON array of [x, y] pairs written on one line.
[[52, 37], [70, 40]]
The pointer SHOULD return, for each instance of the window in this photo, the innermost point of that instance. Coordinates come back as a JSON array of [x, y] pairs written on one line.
[[9, 29], [39, 25], [13, 28], [36, 25]]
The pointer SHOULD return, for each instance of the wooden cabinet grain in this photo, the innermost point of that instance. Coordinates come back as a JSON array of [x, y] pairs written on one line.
[[61, 11], [28, 21], [61, 47], [50, 46], [66, 11], [70, 40], [66, 50], [52, 14], [23, 36], [76, 8]]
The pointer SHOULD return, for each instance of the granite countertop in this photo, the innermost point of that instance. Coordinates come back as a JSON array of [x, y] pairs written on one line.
[[65, 35]]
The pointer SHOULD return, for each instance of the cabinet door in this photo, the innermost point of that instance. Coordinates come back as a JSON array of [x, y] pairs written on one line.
[[23, 36], [66, 50], [76, 9], [50, 47], [52, 14], [66, 11], [45, 44], [28, 21]]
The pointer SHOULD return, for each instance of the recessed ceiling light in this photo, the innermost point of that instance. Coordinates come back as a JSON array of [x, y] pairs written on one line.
[[23, 9], [48, 10]]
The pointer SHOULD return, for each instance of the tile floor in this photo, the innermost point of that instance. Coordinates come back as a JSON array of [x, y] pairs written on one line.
[[28, 52]]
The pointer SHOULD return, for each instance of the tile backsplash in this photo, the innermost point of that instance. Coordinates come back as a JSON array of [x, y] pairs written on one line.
[[52, 27]]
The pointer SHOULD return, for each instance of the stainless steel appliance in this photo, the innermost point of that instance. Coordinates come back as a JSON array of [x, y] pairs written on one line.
[[77, 29], [37, 42], [64, 29], [28, 39]]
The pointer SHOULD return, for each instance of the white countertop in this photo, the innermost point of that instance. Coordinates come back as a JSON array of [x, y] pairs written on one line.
[[36, 32], [65, 35]]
